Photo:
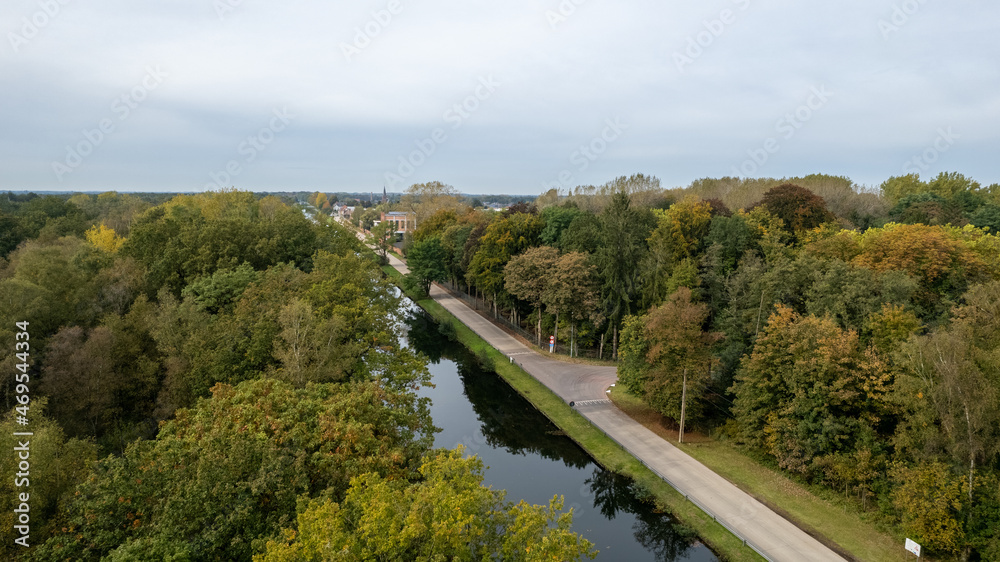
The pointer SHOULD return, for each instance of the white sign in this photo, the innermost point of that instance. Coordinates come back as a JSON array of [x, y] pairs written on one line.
[[913, 547]]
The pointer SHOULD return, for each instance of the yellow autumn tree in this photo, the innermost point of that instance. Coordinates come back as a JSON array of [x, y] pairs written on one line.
[[104, 238]]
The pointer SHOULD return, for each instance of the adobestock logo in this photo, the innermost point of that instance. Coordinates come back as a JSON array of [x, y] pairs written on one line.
[[588, 153], [563, 12], [787, 126], [249, 149], [364, 35], [926, 158], [32, 25], [698, 43], [900, 16], [122, 107], [456, 116]]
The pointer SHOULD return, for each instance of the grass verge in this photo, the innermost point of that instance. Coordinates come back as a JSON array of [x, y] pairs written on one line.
[[843, 526], [604, 450]]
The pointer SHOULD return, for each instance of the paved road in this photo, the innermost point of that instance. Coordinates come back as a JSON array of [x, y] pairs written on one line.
[[585, 385]]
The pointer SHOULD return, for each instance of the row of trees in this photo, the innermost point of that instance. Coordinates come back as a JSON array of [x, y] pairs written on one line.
[[851, 350], [222, 378]]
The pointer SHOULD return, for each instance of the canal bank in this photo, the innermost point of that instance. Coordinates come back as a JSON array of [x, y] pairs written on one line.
[[596, 443], [530, 458]]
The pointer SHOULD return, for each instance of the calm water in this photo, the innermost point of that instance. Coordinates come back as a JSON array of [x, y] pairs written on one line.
[[528, 456]]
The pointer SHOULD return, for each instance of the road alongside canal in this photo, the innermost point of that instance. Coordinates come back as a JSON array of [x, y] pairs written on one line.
[[775, 537]]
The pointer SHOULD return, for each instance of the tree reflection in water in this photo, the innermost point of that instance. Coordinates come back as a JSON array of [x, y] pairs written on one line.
[[657, 532], [510, 422]]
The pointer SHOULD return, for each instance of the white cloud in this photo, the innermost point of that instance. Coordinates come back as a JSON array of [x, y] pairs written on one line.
[[358, 113]]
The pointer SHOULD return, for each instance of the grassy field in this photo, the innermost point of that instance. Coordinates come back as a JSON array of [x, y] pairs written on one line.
[[605, 451]]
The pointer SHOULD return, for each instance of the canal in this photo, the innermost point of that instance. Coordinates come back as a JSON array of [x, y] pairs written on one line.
[[529, 457]]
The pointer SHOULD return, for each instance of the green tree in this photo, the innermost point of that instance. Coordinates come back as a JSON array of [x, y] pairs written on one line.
[[557, 220], [308, 347], [223, 477], [453, 241], [48, 284], [928, 499], [679, 355], [582, 235], [448, 514], [632, 351], [953, 373], [896, 188], [381, 236], [435, 224], [220, 291], [572, 289], [104, 381], [427, 262], [527, 276], [926, 208], [808, 390], [679, 233], [503, 239], [58, 464], [193, 236], [623, 245]]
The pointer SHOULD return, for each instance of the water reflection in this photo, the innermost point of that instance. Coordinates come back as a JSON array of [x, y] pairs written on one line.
[[529, 457], [659, 533]]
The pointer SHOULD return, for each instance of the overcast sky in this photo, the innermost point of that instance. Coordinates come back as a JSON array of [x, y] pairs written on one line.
[[491, 97]]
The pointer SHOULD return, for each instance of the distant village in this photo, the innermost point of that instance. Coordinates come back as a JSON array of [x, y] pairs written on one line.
[[367, 210]]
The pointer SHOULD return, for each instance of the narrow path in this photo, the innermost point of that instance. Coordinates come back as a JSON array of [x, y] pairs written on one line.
[[772, 535]]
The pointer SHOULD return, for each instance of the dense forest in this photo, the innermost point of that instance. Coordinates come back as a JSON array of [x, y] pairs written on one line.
[[849, 337], [219, 377]]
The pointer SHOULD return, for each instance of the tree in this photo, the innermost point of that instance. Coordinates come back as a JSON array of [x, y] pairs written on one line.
[[942, 262], [679, 352], [851, 294], [381, 237], [503, 239], [986, 216], [47, 283], [624, 235], [527, 277], [953, 373], [445, 515], [192, 236], [557, 220], [104, 238], [929, 500], [583, 234], [427, 262], [58, 464], [318, 200], [799, 208], [807, 391], [308, 347], [220, 291], [951, 185], [632, 351], [680, 231], [103, 381], [366, 219], [572, 288], [926, 208], [896, 188], [226, 474], [435, 224], [453, 241], [425, 199], [733, 236]]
